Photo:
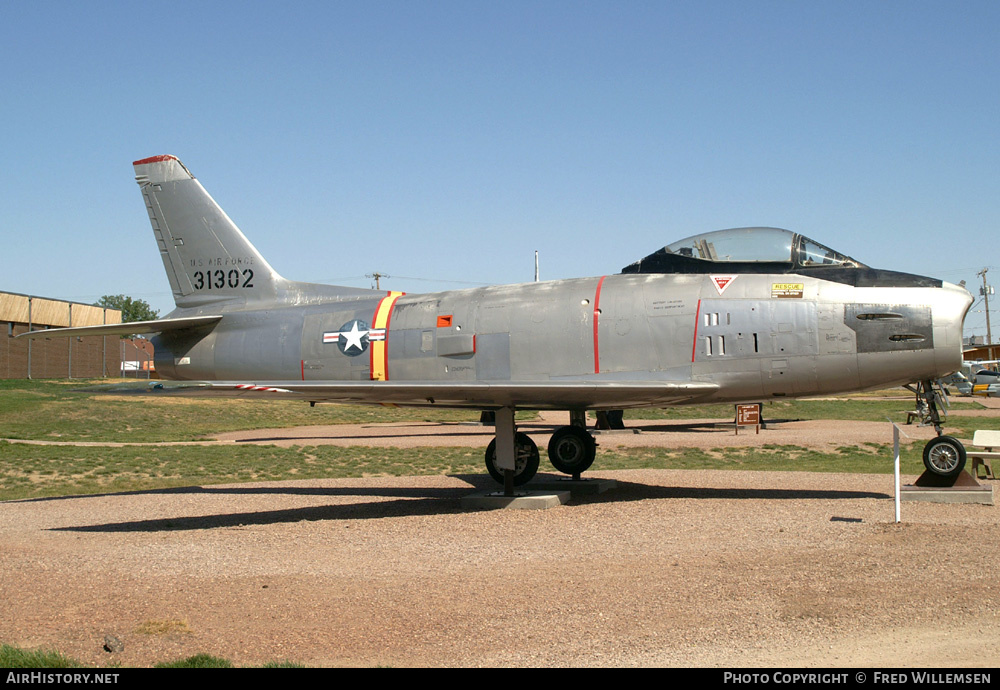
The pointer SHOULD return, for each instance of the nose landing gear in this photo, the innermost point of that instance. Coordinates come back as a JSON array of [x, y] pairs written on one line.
[[944, 456]]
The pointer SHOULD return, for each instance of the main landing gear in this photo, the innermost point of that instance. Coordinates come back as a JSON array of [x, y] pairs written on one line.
[[944, 456], [526, 460], [572, 450], [512, 458]]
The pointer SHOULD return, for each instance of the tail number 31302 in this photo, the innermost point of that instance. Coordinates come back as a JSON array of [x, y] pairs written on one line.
[[219, 279]]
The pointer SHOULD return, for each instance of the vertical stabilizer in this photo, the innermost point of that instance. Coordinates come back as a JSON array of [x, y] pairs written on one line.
[[207, 258]]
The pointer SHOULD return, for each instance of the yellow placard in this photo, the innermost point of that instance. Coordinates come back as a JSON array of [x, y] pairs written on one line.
[[787, 290]]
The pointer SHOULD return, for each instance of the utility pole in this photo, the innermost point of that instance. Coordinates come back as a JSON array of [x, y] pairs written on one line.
[[376, 276], [986, 289]]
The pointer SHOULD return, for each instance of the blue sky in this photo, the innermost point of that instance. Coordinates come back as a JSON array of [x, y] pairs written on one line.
[[442, 143]]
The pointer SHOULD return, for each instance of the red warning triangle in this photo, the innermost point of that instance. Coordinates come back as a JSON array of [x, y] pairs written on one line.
[[722, 282]]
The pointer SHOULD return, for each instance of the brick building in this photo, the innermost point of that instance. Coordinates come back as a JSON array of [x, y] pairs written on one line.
[[85, 357], [137, 358]]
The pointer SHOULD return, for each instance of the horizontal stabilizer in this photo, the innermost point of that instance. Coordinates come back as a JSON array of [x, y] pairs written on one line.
[[539, 395], [132, 328]]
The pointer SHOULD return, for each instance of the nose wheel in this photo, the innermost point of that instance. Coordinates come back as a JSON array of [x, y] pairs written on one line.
[[944, 456]]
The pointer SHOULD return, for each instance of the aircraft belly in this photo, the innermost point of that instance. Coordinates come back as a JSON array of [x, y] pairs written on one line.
[[737, 379], [896, 368]]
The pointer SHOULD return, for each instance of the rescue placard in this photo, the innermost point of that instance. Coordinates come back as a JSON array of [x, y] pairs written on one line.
[[787, 290]]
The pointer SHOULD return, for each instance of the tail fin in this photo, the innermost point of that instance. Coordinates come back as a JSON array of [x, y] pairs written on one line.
[[206, 257]]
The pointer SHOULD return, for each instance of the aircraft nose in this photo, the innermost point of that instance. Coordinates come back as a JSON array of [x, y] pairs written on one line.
[[961, 300], [949, 319]]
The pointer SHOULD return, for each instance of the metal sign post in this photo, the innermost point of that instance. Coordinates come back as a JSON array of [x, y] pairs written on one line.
[[895, 455]]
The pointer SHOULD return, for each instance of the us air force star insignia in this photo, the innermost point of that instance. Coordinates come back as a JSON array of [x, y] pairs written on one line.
[[352, 338]]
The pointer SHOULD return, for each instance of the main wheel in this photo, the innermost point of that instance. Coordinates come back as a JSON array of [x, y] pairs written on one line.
[[572, 450], [944, 456], [525, 460]]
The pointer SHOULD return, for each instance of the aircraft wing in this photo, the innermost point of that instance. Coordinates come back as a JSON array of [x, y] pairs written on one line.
[[556, 395], [131, 328]]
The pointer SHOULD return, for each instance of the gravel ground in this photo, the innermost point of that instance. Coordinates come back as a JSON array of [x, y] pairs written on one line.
[[683, 568]]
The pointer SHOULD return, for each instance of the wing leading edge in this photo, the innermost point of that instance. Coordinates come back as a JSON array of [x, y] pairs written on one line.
[[476, 395]]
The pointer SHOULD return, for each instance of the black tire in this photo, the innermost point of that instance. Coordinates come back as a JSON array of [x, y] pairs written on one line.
[[572, 450], [944, 456], [526, 460]]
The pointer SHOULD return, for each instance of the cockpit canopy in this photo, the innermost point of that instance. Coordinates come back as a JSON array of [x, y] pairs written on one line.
[[745, 247]]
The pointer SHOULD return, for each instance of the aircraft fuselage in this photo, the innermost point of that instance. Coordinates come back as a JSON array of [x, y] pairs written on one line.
[[758, 336]]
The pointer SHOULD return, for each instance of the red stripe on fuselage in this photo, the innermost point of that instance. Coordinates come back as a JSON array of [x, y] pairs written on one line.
[[597, 312], [694, 341]]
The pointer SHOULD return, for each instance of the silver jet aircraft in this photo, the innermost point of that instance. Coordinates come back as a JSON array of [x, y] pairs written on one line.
[[743, 315]]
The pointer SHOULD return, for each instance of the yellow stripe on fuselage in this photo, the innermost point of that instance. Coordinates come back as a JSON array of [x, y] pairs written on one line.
[[380, 355]]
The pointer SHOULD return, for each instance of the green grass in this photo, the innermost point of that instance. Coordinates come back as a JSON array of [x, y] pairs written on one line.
[[56, 411], [197, 661], [14, 657], [28, 471]]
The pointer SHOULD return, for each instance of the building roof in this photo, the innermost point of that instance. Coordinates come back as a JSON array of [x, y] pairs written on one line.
[[44, 311]]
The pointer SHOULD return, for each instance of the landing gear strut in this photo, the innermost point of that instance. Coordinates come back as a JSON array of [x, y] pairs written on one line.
[[526, 460], [944, 456], [511, 457]]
